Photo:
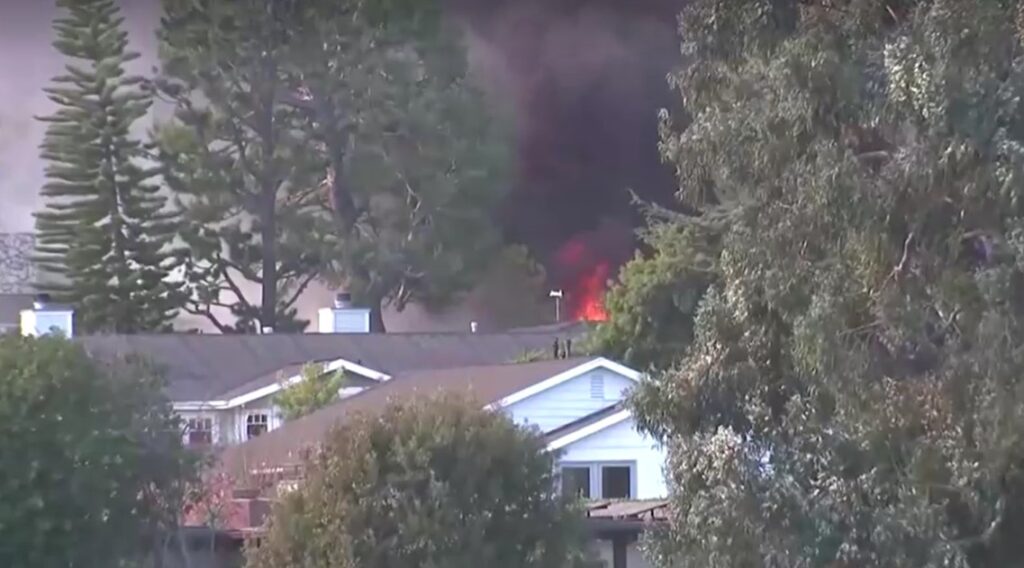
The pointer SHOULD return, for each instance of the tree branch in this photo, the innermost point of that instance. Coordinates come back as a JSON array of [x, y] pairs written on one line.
[[298, 292]]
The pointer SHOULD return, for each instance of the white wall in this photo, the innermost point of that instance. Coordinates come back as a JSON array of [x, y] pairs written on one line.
[[623, 443], [571, 400], [229, 425]]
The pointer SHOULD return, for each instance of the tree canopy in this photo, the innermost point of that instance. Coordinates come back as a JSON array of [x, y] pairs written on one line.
[[105, 234], [317, 389], [852, 393], [91, 455], [314, 140], [436, 482]]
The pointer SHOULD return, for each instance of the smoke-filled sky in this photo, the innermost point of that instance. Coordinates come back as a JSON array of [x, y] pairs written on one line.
[[586, 76], [27, 62]]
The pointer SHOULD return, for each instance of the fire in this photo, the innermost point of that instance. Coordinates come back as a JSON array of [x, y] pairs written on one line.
[[584, 264], [587, 299]]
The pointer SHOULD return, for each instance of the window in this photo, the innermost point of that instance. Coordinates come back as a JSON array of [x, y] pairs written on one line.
[[255, 425], [200, 431], [616, 482], [599, 480], [576, 481]]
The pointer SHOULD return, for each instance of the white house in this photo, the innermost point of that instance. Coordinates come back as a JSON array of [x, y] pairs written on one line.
[[576, 403]]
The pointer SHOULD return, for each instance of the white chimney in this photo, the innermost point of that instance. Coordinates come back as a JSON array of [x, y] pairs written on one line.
[[46, 317], [343, 318]]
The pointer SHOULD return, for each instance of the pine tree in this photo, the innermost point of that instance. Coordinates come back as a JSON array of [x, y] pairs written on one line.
[[104, 238]]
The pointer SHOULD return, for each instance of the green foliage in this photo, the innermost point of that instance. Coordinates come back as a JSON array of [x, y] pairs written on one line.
[[418, 163], [91, 456], [316, 390], [437, 482], [652, 305], [237, 159], [852, 395], [104, 238], [312, 139]]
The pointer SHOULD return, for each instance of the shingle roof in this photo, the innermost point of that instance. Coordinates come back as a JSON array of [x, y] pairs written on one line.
[[283, 447], [205, 367]]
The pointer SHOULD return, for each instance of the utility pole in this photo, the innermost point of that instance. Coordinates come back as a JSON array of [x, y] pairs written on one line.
[[557, 295]]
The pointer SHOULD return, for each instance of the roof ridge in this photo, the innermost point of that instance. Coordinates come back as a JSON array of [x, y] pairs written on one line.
[[185, 334]]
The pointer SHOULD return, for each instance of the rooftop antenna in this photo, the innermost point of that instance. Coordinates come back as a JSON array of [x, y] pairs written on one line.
[[557, 295]]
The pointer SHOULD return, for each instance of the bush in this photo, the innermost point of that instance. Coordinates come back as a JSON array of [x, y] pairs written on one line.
[[90, 456], [437, 482]]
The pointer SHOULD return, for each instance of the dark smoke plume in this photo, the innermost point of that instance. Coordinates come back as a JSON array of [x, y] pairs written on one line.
[[586, 79]]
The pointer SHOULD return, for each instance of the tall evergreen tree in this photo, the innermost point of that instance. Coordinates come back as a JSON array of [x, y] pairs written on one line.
[[325, 139], [105, 234]]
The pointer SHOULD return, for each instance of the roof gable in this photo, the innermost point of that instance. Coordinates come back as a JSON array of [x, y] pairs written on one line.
[[489, 384], [206, 367], [566, 376]]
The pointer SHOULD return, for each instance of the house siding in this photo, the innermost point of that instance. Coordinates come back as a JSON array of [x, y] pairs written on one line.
[[623, 443], [571, 400]]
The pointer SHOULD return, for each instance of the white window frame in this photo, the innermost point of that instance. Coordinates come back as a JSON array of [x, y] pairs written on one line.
[[266, 414], [198, 417], [595, 467]]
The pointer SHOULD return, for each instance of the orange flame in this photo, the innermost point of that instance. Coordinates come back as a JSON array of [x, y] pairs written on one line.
[[588, 295]]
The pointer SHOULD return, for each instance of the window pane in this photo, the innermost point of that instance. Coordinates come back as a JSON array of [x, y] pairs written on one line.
[[255, 425], [200, 431], [616, 482], [576, 481]]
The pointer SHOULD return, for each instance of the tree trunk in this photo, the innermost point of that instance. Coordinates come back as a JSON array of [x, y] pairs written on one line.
[[268, 193], [377, 317], [268, 235]]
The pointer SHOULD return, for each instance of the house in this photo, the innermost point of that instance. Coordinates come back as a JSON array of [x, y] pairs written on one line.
[[223, 386], [576, 403]]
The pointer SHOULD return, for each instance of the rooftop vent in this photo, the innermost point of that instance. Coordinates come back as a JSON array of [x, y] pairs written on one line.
[[342, 317], [45, 318]]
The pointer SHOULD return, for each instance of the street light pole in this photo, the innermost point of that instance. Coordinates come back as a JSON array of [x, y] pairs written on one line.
[[557, 295]]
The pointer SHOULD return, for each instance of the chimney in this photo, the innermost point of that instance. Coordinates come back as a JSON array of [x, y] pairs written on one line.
[[341, 317], [473, 327], [46, 317]]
